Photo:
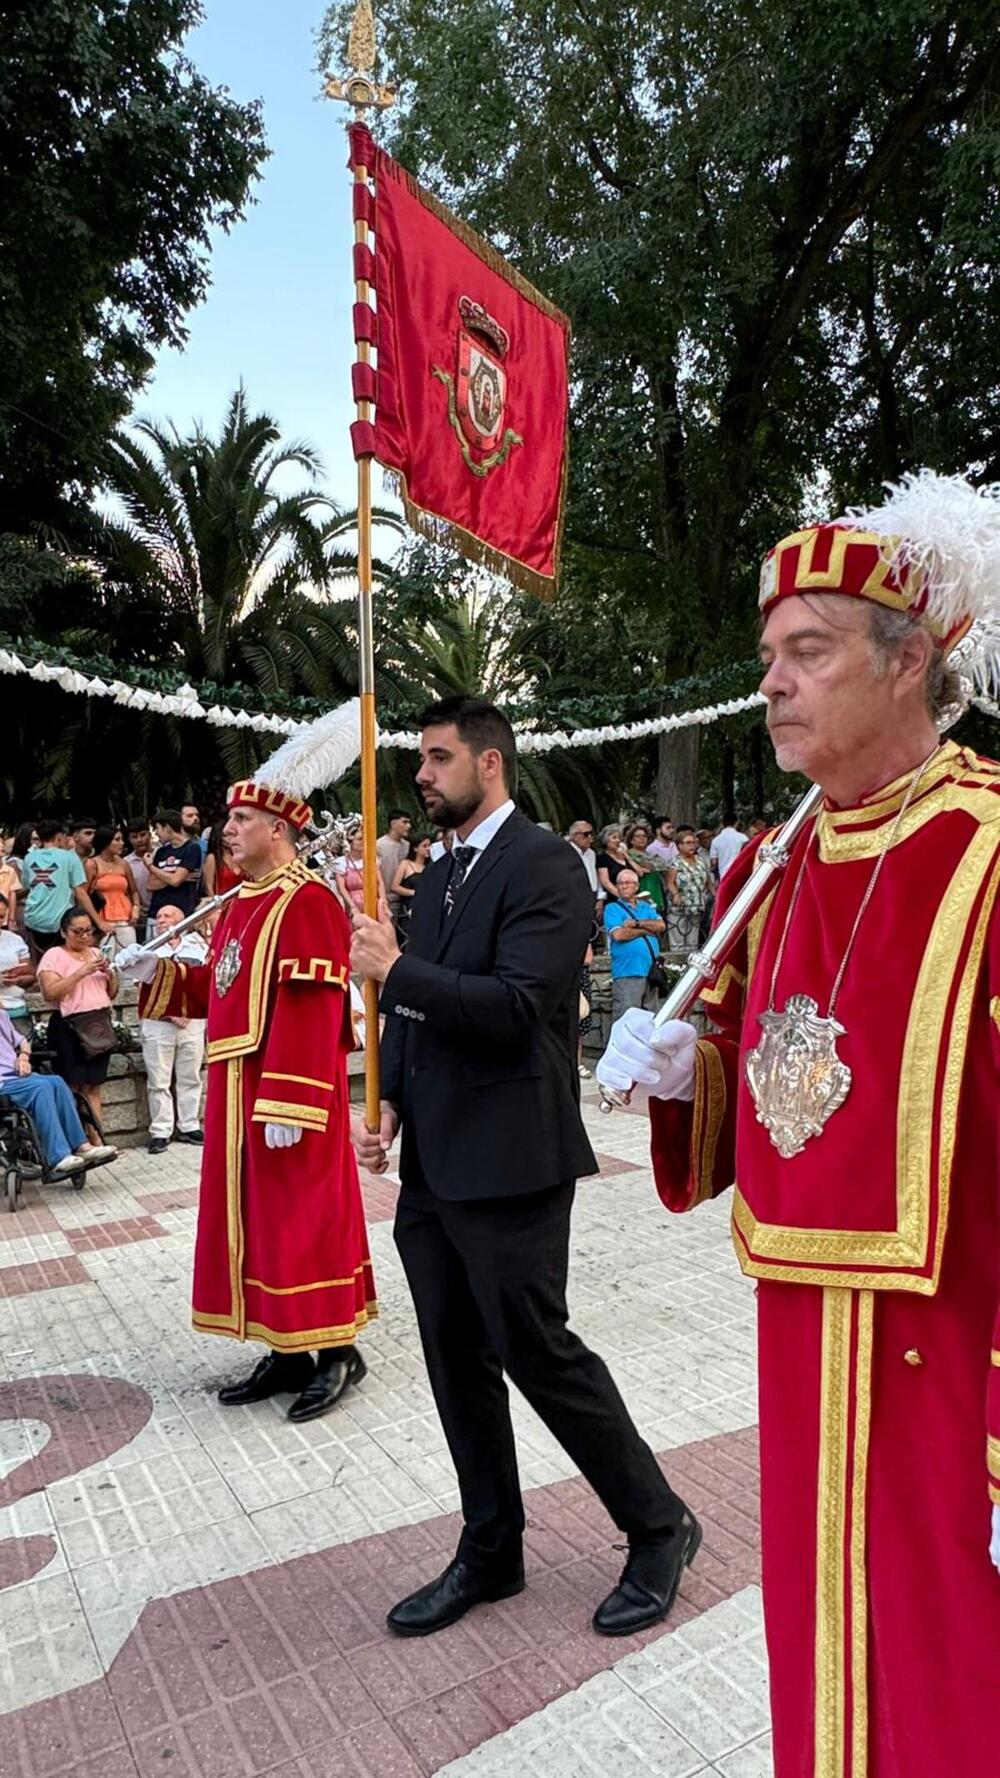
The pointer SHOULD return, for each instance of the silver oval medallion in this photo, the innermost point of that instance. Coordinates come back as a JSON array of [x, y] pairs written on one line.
[[795, 1075]]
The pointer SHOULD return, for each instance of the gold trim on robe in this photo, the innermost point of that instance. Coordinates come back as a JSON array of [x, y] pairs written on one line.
[[907, 1257], [841, 1649]]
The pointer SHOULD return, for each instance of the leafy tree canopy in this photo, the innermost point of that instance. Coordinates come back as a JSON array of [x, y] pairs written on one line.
[[117, 159], [776, 229]]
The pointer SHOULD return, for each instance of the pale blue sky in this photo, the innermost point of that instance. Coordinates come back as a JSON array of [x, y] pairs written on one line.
[[278, 313]]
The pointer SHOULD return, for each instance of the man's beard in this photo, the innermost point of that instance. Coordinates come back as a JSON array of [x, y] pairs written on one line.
[[457, 812]]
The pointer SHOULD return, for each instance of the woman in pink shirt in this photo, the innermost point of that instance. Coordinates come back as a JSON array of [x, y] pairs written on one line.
[[74, 977]]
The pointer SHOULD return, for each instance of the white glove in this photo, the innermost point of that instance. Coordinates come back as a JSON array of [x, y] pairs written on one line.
[[282, 1135], [660, 1056], [136, 964], [995, 1538]]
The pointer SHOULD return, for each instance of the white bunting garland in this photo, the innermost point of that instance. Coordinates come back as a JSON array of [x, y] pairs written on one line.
[[182, 702], [528, 741], [185, 702]]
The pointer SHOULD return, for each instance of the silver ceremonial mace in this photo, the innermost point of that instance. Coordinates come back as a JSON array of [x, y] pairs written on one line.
[[704, 965], [322, 840]]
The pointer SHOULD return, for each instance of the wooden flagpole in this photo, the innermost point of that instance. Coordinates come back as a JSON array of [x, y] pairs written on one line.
[[360, 91]]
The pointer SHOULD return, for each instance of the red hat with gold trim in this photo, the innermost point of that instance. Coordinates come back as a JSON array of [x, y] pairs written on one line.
[[250, 794], [931, 549]]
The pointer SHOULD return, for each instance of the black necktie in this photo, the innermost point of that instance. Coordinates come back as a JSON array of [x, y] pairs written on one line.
[[461, 858]]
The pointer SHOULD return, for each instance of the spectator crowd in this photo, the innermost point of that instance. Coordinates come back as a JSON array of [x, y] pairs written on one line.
[[654, 890], [75, 893], [72, 895]]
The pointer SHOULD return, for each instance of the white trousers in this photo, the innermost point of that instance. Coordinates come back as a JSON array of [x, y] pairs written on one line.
[[173, 1054]]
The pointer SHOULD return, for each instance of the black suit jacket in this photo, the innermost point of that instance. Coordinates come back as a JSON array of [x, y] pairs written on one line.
[[480, 1040]]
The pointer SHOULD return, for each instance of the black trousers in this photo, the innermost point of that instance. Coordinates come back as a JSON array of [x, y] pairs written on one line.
[[488, 1280]]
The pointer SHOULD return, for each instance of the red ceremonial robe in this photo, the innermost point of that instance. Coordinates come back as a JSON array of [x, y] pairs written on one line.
[[282, 1249], [877, 1250]]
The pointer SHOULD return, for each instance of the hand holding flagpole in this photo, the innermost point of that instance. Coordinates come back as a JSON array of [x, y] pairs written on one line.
[[361, 92]]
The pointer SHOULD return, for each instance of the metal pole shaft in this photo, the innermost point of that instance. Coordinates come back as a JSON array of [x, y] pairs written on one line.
[[366, 688]]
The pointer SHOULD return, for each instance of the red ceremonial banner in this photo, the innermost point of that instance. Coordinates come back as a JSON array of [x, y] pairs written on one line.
[[472, 391]]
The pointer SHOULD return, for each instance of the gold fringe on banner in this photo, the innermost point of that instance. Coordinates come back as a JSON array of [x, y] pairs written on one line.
[[450, 535], [482, 248]]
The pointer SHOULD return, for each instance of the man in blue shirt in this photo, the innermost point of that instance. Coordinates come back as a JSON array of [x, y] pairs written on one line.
[[54, 878], [634, 929]]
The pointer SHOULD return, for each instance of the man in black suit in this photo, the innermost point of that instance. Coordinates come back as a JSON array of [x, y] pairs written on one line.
[[479, 1070]]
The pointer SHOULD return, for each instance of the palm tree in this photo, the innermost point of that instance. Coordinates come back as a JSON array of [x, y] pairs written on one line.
[[483, 641], [241, 566]]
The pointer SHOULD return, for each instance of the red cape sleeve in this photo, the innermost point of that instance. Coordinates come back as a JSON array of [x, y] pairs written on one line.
[[177, 991]]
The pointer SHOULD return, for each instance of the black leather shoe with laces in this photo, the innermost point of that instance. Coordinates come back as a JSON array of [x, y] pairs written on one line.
[[649, 1581], [444, 1600], [277, 1373]]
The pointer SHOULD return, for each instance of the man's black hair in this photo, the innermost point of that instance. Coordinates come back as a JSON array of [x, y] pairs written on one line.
[[480, 725], [81, 822], [399, 815], [137, 824], [169, 818], [49, 829]]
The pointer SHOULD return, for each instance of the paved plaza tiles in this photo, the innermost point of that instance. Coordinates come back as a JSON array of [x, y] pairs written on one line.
[[200, 1592]]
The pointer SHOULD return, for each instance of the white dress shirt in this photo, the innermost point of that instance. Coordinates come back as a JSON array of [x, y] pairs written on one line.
[[485, 831]]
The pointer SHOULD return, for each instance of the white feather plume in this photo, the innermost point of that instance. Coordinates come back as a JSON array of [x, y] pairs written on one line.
[[948, 532], [319, 753]]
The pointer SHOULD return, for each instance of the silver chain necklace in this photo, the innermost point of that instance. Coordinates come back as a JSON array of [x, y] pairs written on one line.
[[795, 1075]]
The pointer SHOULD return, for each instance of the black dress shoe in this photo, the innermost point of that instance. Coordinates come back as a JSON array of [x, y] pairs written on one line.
[[190, 1136], [158, 1145], [276, 1374], [334, 1371], [445, 1600], [649, 1582]]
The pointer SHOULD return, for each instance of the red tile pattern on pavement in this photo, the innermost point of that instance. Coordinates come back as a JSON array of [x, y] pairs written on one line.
[[88, 1418], [79, 1736], [114, 1234], [32, 1219], [185, 1197], [291, 1671], [379, 1197], [612, 1163], [21, 1558], [41, 1274]]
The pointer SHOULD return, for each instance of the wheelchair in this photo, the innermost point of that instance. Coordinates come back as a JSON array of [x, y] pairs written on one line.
[[21, 1153]]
